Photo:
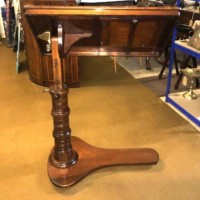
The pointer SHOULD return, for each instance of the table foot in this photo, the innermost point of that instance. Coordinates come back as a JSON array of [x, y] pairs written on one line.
[[91, 158]]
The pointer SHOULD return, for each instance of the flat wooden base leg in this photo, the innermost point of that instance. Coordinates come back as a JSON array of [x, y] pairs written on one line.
[[91, 158]]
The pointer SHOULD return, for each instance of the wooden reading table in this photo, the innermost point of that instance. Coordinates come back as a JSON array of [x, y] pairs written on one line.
[[93, 31]]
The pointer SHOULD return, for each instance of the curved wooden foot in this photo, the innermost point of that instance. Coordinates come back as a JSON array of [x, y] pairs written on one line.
[[91, 158]]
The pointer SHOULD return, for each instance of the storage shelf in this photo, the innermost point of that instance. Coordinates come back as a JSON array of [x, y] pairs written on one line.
[[190, 108]]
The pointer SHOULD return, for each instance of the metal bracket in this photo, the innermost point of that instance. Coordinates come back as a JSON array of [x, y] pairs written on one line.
[[46, 36]]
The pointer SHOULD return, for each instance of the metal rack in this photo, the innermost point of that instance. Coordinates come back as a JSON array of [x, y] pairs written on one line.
[[169, 98]]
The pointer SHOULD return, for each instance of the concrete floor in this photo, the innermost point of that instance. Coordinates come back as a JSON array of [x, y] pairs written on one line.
[[109, 110]]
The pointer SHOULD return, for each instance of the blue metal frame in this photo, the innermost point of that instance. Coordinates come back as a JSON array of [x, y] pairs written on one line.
[[183, 111], [168, 99], [187, 51], [171, 61]]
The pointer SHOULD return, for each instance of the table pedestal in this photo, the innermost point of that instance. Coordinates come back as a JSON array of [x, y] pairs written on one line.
[[72, 159]]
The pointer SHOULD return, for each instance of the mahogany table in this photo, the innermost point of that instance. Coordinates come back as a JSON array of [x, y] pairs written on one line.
[[61, 31]]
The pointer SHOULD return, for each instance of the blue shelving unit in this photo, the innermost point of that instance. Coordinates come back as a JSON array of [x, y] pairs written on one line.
[[189, 51]]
